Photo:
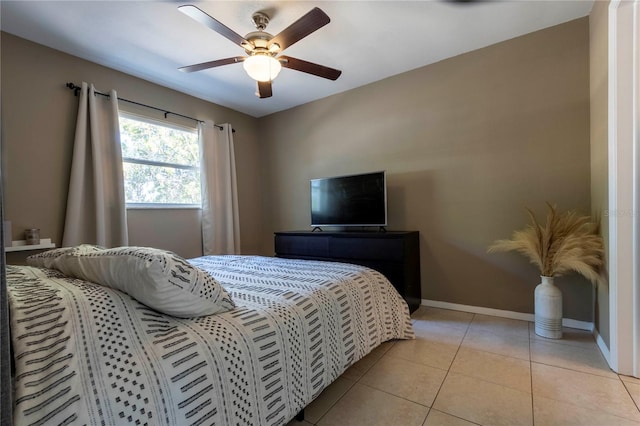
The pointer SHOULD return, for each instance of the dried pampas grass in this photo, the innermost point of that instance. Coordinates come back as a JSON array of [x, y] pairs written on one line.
[[566, 242]]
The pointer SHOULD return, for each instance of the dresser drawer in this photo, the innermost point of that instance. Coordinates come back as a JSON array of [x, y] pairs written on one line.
[[302, 246], [389, 249]]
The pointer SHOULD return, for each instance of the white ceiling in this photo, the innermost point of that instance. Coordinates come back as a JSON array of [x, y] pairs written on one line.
[[367, 40]]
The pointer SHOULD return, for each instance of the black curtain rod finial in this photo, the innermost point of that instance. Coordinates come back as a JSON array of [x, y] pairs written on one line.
[[76, 89]]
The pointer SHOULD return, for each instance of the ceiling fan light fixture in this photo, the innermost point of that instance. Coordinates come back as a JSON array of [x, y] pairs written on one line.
[[261, 67]]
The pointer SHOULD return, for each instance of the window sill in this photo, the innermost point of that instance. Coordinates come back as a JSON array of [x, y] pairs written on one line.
[[163, 207]]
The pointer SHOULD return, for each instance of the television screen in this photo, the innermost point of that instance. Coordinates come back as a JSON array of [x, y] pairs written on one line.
[[355, 200]]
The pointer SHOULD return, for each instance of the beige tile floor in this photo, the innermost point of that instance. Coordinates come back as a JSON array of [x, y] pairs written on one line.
[[465, 369]]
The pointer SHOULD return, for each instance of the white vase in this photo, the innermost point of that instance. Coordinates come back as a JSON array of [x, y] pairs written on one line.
[[548, 309]]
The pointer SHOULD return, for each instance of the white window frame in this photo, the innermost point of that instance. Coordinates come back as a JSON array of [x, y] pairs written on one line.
[[157, 122]]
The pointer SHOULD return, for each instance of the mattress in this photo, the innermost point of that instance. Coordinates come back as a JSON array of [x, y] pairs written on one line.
[[88, 354]]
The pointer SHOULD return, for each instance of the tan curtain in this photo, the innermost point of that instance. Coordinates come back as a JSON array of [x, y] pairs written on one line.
[[96, 211], [220, 220]]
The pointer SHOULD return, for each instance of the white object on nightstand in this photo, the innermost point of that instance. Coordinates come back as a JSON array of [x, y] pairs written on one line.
[[21, 245]]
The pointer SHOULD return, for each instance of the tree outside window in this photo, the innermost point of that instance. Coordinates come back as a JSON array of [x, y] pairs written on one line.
[[161, 163]]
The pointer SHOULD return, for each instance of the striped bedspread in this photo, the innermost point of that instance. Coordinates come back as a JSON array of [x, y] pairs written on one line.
[[87, 354]]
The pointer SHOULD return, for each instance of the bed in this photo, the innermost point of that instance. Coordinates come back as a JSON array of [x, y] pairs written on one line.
[[86, 353]]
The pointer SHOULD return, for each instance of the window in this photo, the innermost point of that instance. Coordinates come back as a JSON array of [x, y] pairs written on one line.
[[161, 163]]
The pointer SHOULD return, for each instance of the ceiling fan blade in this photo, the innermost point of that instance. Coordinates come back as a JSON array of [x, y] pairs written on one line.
[[301, 28], [211, 64], [264, 89], [309, 67], [217, 26]]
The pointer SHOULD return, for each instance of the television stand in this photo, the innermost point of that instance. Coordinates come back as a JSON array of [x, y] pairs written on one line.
[[395, 254]]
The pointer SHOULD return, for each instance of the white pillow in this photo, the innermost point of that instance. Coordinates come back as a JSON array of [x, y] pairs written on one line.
[[157, 278], [46, 258]]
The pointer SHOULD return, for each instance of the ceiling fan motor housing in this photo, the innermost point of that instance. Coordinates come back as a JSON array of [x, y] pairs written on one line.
[[260, 20], [258, 42]]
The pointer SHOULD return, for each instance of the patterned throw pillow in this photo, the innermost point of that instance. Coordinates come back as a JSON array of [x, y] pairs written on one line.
[[46, 258], [157, 278]]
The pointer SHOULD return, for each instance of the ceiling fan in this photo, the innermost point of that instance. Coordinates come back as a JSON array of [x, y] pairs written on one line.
[[263, 62]]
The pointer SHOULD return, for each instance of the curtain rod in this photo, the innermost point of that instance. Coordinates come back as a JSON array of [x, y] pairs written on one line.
[[76, 90]]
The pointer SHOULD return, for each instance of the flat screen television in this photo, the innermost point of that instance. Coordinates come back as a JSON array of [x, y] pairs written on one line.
[[353, 200]]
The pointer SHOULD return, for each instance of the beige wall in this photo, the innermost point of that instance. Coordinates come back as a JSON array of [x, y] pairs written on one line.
[[598, 67], [38, 119], [467, 143]]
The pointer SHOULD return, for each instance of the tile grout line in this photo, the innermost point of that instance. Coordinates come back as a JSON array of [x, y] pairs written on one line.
[[452, 415], [572, 370], [414, 402], [337, 400], [637, 404], [388, 393], [435, 398], [355, 382], [394, 395]]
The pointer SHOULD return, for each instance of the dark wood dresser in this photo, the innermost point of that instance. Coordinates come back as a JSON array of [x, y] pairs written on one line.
[[396, 254]]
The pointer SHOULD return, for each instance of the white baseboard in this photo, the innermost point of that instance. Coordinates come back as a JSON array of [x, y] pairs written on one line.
[[603, 347], [567, 322], [580, 325]]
